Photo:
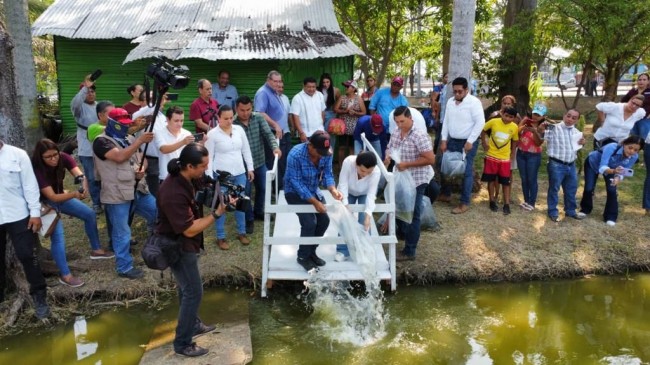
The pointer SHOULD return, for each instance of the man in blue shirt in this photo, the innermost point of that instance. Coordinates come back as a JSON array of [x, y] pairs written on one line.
[[373, 127], [387, 99], [309, 165], [223, 92]]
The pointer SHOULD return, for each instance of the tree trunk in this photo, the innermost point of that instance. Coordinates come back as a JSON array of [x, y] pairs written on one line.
[[612, 75], [25, 72], [462, 41], [446, 7], [11, 132], [516, 60]]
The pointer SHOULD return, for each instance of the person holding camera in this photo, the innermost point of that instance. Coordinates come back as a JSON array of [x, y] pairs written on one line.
[[171, 139], [614, 161], [49, 165], [181, 217], [529, 155], [117, 165], [230, 152], [309, 165]]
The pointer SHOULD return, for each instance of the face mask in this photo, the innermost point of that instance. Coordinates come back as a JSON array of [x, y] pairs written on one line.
[[116, 130]]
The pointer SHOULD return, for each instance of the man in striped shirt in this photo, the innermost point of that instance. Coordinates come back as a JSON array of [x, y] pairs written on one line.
[[562, 141]]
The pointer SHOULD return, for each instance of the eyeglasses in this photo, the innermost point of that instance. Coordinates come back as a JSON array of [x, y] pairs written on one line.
[[51, 157]]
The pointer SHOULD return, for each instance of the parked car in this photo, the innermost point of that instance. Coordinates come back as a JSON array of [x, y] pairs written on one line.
[[569, 83]]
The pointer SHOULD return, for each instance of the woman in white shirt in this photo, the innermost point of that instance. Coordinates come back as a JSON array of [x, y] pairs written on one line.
[[358, 182], [230, 152], [617, 120]]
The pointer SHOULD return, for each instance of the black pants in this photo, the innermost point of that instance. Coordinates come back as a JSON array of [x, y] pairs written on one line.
[[152, 175], [24, 241]]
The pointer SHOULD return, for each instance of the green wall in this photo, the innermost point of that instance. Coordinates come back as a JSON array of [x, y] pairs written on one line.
[[78, 58]]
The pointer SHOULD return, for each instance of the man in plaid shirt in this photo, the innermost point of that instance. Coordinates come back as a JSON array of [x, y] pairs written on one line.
[[258, 132], [561, 140], [416, 155], [309, 165]]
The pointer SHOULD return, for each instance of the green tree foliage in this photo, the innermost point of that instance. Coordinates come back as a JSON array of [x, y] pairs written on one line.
[[609, 36]]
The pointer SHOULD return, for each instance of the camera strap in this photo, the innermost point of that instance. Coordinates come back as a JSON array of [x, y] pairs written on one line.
[[217, 196]]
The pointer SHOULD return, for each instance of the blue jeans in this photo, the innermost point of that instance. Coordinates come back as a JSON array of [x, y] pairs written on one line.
[[528, 164], [358, 146], [75, 208], [257, 210], [240, 217], [564, 176], [412, 231], [646, 184], [190, 293], [457, 145], [586, 203], [145, 206], [311, 224], [353, 199], [88, 166]]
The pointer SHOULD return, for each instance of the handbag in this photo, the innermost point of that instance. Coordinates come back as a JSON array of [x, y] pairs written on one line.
[[336, 127], [160, 251], [49, 219]]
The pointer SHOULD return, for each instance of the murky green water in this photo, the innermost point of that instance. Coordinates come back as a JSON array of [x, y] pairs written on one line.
[[601, 320]]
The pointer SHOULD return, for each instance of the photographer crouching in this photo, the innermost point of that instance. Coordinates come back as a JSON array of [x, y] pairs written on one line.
[[180, 216]]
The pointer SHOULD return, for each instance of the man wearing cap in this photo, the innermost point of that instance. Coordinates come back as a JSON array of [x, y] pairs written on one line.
[[203, 110], [373, 127], [308, 110], [223, 92], [117, 161], [386, 100], [461, 129], [309, 165], [83, 107]]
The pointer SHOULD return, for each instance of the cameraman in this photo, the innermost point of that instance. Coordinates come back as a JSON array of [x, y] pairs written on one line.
[[179, 215]]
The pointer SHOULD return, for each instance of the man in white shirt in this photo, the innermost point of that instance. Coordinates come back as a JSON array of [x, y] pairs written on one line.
[[308, 110], [20, 218], [170, 140], [461, 128]]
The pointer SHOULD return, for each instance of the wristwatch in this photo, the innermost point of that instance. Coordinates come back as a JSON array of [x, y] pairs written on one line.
[[215, 215]]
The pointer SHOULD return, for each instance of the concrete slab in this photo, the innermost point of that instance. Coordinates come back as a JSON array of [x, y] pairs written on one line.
[[230, 344]]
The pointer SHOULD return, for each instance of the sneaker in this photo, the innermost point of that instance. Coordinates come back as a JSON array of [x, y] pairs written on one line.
[[192, 350], [339, 257], [223, 244], [250, 227], [317, 260], [243, 239], [493, 206], [71, 281], [41, 309], [527, 207], [132, 274], [98, 209], [101, 255], [578, 216], [610, 223], [506, 209], [460, 209], [202, 328], [555, 219], [307, 263]]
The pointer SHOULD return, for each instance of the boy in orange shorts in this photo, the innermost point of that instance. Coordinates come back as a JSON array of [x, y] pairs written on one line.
[[500, 145]]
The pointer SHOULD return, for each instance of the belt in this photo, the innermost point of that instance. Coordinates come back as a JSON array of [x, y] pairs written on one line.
[[152, 157], [560, 161]]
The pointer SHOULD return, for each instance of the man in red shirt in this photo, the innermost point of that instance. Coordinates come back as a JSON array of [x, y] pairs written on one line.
[[203, 110]]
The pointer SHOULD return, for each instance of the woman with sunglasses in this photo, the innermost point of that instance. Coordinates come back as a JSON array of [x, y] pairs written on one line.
[[49, 165], [616, 120]]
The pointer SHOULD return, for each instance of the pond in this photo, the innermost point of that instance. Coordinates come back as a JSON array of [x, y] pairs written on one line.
[[596, 320]]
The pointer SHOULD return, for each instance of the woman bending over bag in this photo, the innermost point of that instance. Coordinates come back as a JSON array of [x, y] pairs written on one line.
[[49, 167], [179, 215], [614, 162]]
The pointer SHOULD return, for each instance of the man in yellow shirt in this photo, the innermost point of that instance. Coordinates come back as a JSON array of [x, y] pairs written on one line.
[[500, 145]]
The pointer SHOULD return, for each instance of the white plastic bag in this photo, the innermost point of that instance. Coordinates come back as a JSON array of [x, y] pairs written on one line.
[[427, 216], [404, 191], [453, 164]]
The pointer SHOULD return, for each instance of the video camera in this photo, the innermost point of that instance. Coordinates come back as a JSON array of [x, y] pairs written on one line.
[[206, 196], [167, 74]]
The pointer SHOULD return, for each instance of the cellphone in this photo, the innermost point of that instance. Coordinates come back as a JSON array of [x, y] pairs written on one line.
[[628, 172], [172, 96], [198, 137], [95, 75]]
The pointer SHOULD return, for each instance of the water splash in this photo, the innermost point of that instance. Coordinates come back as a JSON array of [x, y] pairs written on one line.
[[340, 312]]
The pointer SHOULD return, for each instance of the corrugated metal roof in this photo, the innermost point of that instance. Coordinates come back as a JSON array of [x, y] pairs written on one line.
[[214, 29]]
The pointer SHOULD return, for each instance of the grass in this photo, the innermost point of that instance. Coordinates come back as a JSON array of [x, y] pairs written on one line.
[[476, 246]]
